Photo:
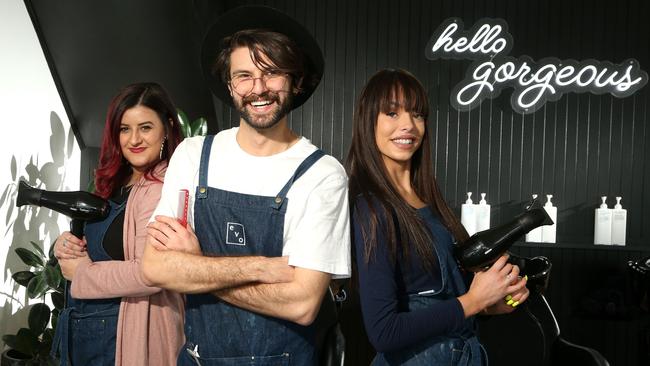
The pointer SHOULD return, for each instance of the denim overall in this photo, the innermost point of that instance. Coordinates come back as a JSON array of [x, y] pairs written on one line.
[[460, 348], [236, 224], [87, 328]]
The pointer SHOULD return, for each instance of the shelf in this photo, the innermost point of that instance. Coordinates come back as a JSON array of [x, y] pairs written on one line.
[[584, 246]]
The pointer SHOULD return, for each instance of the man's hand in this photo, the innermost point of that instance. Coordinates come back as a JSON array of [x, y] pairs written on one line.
[[166, 233]]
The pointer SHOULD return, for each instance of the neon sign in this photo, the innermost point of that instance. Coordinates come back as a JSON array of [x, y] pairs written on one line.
[[534, 83]]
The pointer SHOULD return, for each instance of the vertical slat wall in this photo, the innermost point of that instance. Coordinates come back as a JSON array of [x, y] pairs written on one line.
[[578, 148]]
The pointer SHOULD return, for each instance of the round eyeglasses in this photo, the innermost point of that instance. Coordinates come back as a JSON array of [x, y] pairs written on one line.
[[244, 84]]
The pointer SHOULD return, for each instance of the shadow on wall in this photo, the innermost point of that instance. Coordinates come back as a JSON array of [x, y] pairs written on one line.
[[30, 223]]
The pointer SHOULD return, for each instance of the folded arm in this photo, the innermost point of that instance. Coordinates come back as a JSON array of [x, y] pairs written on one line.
[[191, 273], [107, 279], [115, 278], [297, 301]]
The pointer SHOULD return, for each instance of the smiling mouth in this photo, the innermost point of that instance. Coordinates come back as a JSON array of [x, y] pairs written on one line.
[[261, 103], [137, 149], [403, 141]]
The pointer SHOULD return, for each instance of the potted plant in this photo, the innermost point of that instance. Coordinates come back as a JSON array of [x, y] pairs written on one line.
[[197, 128], [31, 345]]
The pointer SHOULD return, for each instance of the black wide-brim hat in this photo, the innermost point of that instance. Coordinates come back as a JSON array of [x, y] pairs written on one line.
[[260, 17]]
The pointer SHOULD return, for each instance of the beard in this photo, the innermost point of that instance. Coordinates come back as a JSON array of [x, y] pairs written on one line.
[[271, 118]]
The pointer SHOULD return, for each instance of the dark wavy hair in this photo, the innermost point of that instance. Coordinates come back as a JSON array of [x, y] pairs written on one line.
[[282, 53], [369, 180], [113, 170]]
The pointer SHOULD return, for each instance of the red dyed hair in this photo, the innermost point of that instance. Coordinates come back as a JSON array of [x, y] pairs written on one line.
[[113, 170]]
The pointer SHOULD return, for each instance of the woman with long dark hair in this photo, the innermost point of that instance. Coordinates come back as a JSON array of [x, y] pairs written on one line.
[[112, 316], [417, 304]]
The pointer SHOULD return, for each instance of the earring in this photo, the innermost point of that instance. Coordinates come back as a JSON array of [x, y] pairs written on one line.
[[162, 147]]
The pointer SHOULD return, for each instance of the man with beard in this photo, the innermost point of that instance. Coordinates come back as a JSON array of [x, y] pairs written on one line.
[[269, 209]]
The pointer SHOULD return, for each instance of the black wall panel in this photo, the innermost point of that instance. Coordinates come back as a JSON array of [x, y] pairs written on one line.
[[579, 148]]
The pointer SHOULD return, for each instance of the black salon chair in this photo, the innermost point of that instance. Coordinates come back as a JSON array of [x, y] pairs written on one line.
[[531, 335], [330, 343]]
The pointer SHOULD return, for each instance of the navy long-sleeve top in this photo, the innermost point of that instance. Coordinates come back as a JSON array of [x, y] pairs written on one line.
[[384, 286]]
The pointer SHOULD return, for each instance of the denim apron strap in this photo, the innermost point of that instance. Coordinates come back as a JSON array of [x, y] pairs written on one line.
[[236, 224], [302, 168], [67, 341], [202, 191], [473, 353], [60, 341], [459, 349]]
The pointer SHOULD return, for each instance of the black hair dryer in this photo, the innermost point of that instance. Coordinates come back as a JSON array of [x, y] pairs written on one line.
[[485, 247], [79, 206]]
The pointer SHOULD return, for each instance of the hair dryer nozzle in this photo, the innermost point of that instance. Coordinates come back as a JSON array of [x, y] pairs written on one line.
[[485, 247], [27, 195], [77, 205]]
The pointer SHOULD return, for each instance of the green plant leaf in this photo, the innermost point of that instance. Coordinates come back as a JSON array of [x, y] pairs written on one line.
[[91, 186], [38, 248], [23, 277], [37, 286], [57, 300], [55, 317], [182, 117], [29, 258], [62, 284], [200, 127], [52, 262], [50, 252], [9, 340], [186, 129], [39, 316], [52, 276], [60, 287], [26, 342]]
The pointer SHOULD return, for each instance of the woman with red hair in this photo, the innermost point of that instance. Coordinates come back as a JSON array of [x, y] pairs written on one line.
[[111, 316]]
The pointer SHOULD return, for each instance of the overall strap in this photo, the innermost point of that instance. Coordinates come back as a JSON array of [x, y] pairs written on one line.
[[203, 167], [60, 342], [302, 168]]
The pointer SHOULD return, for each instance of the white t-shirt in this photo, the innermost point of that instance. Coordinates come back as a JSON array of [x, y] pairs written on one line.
[[316, 226]]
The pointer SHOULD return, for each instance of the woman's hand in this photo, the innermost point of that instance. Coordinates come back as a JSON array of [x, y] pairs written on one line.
[[69, 266], [493, 285], [68, 246], [511, 301], [166, 233]]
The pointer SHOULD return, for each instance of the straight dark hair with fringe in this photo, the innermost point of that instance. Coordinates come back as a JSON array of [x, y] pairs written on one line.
[[368, 178]]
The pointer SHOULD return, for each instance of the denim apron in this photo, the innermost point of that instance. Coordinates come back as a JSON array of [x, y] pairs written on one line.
[[235, 224], [87, 328], [461, 348]]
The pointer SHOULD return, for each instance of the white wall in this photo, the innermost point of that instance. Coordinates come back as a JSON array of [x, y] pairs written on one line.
[[36, 144]]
